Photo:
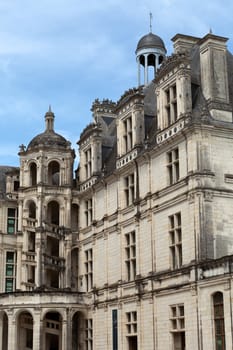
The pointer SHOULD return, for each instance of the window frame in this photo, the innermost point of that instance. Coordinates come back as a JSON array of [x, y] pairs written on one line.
[[89, 211], [175, 240], [12, 221], [88, 266], [88, 162], [130, 255], [88, 333], [10, 279], [171, 110], [177, 325], [219, 321], [173, 166], [127, 134], [129, 189]]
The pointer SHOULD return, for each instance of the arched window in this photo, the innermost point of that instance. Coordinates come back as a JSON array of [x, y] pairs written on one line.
[[33, 174], [25, 331], [219, 328], [54, 173], [32, 210], [52, 331], [53, 213], [74, 217]]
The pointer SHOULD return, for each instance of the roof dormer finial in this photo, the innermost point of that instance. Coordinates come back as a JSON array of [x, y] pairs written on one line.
[[151, 17]]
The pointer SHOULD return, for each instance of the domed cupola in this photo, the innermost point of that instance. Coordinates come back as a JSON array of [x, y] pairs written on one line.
[[48, 138], [150, 51], [48, 158]]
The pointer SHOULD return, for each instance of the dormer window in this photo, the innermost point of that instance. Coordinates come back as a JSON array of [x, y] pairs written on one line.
[[127, 135], [171, 104]]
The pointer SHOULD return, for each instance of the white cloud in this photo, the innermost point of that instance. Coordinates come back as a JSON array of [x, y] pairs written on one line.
[[67, 52]]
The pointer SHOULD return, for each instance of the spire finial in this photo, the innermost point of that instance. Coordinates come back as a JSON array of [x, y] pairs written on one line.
[[49, 120], [151, 22], [210, 32]]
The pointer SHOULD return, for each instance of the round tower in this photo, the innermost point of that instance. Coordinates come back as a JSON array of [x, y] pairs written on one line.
[[45, 209], [150, 51]]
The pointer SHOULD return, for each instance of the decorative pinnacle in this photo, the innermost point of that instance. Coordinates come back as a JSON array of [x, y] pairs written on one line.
[[49, 120], [151, 17]]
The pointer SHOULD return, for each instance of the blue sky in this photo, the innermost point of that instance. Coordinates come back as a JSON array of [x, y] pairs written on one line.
[[66, 53]]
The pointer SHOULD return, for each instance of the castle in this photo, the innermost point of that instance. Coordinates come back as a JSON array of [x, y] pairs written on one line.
[[136, 250]]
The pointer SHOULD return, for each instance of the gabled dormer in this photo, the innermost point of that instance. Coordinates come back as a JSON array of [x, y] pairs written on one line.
[[90, 145], [130, 126], [173, 91]]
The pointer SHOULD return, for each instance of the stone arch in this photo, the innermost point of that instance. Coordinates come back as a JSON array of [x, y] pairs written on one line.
[[32, 209], [54, 173], [25, 330], [52, 330], [30, 214], [32, 173], [29, 209], [53, 212], [219, 319], [78, 331]]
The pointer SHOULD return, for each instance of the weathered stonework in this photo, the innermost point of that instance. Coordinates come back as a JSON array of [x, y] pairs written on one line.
[[135, 250]]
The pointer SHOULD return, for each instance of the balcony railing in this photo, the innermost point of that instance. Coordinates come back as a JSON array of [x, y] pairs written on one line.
[[54, 262], [29, 256]]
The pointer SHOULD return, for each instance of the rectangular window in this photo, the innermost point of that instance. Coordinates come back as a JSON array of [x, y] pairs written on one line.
[[173, 166], [175, 240], [219, 326], [130, 255], [88, 212], [11, 221], [89, 334], [88, 269], [16, 186], [171, 104], [127, 134], [129, 189], [10, 272], [88, 163], [131, 330], [114, 330], [177, 326]]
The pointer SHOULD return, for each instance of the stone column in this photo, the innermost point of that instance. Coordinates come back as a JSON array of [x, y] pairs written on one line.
[[69, 330], [156, 64], [139, 71], [18, 268], [12, 333], [20, 215], [67, 256], [64, 339], [37, 328], [146, 70]]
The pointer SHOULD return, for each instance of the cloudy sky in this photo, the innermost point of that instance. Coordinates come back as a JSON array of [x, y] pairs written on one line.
[[66, 53]]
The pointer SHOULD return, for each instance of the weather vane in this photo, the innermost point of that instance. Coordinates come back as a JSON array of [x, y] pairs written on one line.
[[151, 22]]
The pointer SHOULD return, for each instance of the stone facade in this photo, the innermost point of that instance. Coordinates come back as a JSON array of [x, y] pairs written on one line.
[[135, 251]]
